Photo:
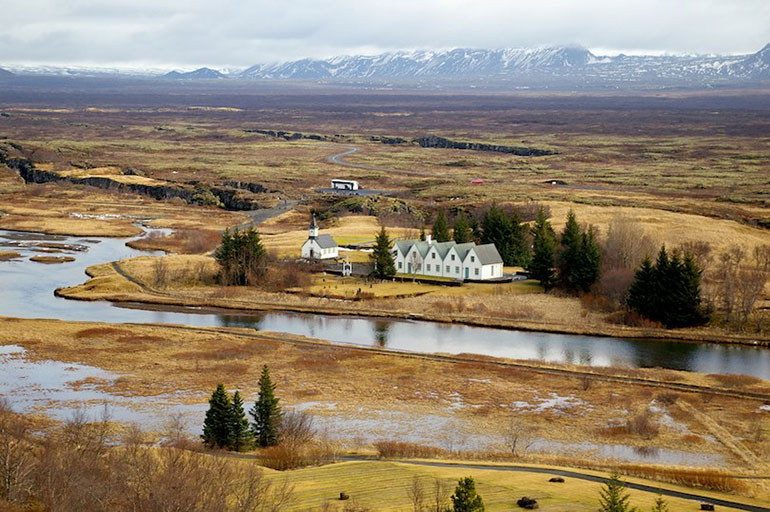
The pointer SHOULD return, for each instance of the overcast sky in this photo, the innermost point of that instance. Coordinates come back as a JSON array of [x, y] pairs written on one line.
[[239, 33]]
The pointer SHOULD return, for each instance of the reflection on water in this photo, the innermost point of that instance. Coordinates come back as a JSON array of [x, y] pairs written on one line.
[[27, 291]]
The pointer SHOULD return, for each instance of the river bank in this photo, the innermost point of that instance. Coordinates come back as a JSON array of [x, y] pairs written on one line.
[[124, 282]]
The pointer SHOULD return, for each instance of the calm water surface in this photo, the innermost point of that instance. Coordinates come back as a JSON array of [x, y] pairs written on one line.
[[26, 290]]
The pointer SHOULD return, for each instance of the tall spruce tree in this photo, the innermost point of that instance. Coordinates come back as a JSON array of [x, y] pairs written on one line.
[[461, 231], [465, 498], [544, 249], [266, 413], [590, 259], [382, 259], [440, 230], [520, 254], [496, 229], [216, 425], [240, 434], [569, 254], [612, 497], [642, 292]]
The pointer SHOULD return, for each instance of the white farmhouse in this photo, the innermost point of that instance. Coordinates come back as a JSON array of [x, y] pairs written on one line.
[[448, 259], [319, 247]]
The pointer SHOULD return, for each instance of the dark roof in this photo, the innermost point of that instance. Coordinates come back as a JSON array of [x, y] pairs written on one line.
[[488, 254], [325, 241]]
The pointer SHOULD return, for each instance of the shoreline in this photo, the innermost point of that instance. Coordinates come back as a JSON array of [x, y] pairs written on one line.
[[155, 300]]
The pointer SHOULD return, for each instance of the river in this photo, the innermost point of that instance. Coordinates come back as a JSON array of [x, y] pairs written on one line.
[[26, 291]]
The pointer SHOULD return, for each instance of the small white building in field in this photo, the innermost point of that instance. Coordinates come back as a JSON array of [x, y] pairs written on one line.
[[319, 247], [448, 259], [345, 184]]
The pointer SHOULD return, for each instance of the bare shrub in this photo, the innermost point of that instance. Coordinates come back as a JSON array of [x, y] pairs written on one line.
[[284, 274], [416, 494], [710, 479], [161, 273], [518, 437], [297, 428], [613, 284], [667, 398], [739, 282], [643, 425], [198, 241], [440, 496], [16, 460], [395, 449], [626, 244]]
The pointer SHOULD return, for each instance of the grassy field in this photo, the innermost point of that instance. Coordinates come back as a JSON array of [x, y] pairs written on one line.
[[384, 486]]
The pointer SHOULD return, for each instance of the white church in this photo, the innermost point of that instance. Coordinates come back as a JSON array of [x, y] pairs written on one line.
[[448, 259], [319, 247]]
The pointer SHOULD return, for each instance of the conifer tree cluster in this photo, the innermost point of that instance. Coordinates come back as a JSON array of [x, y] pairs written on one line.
[[579, 256], [668, 291], [226, 426], [241, 257], [509, 235], [383, 265]]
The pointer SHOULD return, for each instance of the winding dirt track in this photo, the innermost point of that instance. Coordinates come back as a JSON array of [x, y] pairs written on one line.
[[337, 159]]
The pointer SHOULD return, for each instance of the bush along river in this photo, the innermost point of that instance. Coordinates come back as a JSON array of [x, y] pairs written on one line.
[[27, 291]]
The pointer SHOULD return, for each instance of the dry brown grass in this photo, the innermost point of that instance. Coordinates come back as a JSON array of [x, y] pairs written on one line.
[[9, 255], [189, 363], [52, 259]]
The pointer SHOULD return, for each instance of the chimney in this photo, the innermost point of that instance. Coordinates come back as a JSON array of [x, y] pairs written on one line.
[[429, 239]]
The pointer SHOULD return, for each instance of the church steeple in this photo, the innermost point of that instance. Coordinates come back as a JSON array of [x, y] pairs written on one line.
[[313, 231]]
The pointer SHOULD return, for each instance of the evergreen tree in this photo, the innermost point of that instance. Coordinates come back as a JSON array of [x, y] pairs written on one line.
[[461, 231], [668, 291], [241, 257], [240, 435], [216, 425], [544, 248], [440, 230], [590, 258], [422, 234], [382, 258], [642, 292], [660, 505], [613, 498], [496, 229], [520, 255], [465, 498], [266, 413], [475, 229], [569, 258]]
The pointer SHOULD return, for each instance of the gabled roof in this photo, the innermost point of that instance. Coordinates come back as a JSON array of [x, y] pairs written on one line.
[[462, 250], [325, 241], [488, 254], [406, 245], [443, 248]]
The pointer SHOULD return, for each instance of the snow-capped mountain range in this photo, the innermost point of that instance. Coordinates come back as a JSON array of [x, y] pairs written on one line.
[[559, 61], [570, 64]]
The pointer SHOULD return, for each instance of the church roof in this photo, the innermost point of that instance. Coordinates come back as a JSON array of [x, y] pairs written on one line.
[[325, 241]]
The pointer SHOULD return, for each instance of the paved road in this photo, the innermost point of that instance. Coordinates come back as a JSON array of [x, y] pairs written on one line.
[[262, 214], [337, 159]]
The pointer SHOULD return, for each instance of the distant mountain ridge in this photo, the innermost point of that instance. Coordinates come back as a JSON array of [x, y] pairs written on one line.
[[558, 61], [200, 73], [4, 73], [568, 66]]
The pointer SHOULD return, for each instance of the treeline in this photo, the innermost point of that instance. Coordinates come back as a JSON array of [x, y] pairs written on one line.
[[615, 273]]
